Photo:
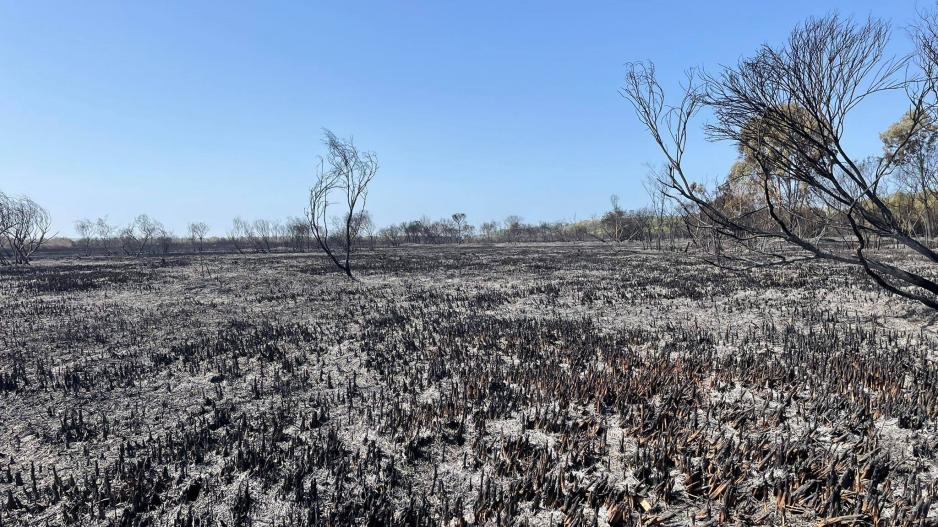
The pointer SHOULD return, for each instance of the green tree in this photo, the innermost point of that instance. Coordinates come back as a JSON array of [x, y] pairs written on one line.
[[917, 167]]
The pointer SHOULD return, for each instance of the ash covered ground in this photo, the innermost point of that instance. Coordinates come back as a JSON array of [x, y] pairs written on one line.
[[491, 385]]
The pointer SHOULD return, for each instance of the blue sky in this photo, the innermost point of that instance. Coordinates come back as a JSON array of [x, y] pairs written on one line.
[[201, 111]]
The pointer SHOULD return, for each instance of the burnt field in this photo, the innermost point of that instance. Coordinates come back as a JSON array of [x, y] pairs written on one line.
[[495, 385]]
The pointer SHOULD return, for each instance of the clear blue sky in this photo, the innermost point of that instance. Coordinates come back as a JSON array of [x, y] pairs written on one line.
[[206, 110]]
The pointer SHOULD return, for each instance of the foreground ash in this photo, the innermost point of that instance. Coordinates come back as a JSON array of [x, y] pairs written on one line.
[[538, 385]]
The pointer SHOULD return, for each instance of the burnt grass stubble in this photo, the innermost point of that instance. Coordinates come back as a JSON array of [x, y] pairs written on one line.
[[496, 385]]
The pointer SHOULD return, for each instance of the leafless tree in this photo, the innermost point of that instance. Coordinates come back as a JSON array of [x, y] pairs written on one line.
[[6, 225], [105, 232], [24, 228], [786, 110], [85, 229], [364, 227], [197, 232], [299, 234], [281, 232], [430, 231], [391, 234], [413, 230], [346, 171], [658, 199], [613, 222], [459, 221], [140, 235], [241, 231], [513, 225], [262, 235], [164, 240], [467, 232], [489, 229]]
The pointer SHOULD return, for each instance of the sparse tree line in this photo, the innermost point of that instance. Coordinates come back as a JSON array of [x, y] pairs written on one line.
[[148, 237], [294, 234], [143, 236]]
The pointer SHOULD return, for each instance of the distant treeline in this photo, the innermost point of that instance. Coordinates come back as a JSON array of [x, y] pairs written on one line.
[[146, 236]]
